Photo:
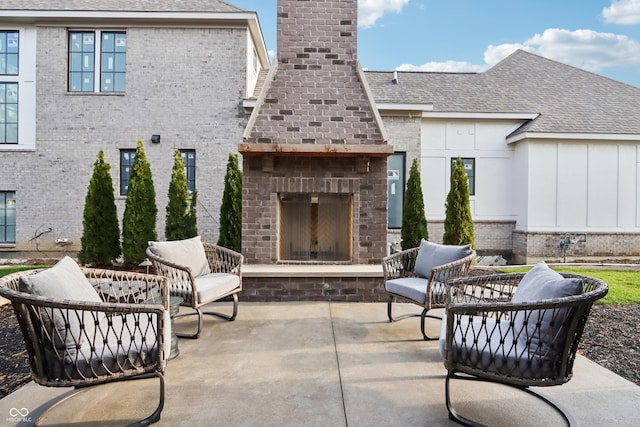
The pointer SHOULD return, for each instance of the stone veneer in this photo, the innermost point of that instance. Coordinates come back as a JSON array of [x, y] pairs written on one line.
[[314, 130]]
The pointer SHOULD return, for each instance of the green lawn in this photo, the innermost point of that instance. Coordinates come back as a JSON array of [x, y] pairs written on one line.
[[8, 270], [624, 285]]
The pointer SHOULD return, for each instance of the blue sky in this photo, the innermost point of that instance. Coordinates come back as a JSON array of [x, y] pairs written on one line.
[[602, 36]]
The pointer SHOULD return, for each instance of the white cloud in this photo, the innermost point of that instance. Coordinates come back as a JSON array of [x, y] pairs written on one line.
[[586, 49], [447, 67], [625, 12], [369, 11]]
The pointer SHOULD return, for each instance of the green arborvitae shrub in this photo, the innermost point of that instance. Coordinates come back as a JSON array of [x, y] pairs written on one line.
[[414, 221], [231, 208], [100, 241], [181, 218], [140, 211], [191, 229], [458, 224]]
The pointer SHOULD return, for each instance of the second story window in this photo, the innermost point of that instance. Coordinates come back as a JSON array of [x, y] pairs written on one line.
[[8, 113], [97, 61], [9, 44]]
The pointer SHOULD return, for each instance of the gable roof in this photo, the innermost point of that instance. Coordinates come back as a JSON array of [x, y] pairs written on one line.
[[567, 99], [121, 5]]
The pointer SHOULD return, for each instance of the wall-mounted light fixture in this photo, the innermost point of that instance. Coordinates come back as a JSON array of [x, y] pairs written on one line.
[[155, 139]]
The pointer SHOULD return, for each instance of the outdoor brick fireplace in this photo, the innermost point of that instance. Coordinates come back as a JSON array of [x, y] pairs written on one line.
[[314, 151]]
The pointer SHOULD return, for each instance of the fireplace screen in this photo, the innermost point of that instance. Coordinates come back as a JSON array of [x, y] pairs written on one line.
[[315, 227]]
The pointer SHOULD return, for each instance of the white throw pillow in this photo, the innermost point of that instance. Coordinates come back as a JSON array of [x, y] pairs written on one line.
[[64, 281], [188, 253]]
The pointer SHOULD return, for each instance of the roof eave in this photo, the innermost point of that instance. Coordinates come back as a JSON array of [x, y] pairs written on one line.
[[573, 136]]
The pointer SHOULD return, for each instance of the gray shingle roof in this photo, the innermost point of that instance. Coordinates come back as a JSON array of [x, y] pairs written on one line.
[[568, 99], [121, 5]]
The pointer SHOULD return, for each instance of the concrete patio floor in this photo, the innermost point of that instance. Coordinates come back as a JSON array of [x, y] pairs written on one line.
[[321, 364]]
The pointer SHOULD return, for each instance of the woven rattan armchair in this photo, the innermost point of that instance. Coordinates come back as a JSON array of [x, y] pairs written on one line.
[[200, 273], [491, 335], [428, 290], [123, 335]]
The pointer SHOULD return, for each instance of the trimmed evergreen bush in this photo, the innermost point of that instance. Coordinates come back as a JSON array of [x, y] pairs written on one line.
[[140, 211], [458, 224], [181, 219], [414, 221], [191, 228], [100, 241], [231, 208]]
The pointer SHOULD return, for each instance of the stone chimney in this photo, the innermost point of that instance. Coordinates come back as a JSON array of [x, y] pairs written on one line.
[[315, 146]]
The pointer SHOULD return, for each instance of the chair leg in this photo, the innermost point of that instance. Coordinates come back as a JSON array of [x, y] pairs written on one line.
[[455, 416], [195, 335], [230, 318], [395, 319], [155, 415], [151, 419], [201, 313], [422, 317]]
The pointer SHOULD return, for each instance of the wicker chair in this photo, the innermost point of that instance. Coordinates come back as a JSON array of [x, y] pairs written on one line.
[[200, 273], [78, 344], [403, 281], [489, 336]]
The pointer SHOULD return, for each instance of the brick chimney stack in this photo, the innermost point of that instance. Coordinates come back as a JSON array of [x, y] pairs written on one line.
[[315, 133]]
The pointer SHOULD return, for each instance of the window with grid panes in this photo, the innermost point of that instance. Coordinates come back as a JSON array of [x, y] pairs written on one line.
[[97, 61]]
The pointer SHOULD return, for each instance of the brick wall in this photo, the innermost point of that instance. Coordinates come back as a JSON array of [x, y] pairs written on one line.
[[532, 247], [345, 289], [316, 98], [313, 175], [185, 84]]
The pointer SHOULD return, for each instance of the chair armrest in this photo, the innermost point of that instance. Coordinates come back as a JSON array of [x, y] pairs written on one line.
[[443, 273], [400, 264], [223, 260], [181, 279], [128, 286], [491, 288]]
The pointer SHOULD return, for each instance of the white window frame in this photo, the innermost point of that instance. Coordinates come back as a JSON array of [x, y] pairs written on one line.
[[26, 80]]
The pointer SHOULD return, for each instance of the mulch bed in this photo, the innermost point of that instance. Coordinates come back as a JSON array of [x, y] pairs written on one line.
[[14, 362], [611, 339]]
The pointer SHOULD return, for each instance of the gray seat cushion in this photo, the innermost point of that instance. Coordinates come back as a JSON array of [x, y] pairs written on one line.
[[213, 285], [414, 288], [492, 347], [431, 255], [120, 343]]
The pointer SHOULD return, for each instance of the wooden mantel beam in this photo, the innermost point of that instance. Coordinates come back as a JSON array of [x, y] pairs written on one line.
[[326, 150]]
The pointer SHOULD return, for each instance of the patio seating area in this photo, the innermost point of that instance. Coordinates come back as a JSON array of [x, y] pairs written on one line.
[[321, 364]]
